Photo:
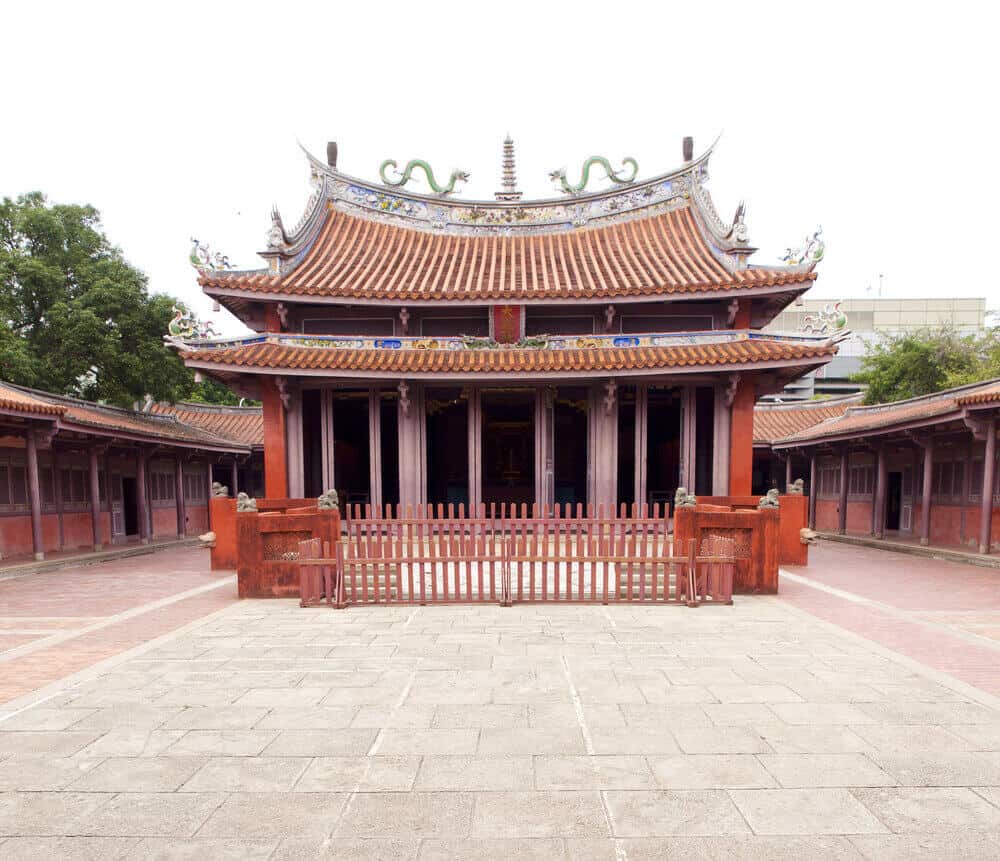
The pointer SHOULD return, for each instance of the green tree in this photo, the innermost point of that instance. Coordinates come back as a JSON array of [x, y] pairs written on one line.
[[921, 362], [75, 316], [208, 391]]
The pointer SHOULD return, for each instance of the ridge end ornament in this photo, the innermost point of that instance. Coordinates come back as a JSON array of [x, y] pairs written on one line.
[[810, 252], [202, 257], [619, 177], [456, 177], [829, 321]]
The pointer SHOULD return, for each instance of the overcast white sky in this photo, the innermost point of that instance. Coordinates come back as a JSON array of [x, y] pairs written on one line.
[[877, 121]]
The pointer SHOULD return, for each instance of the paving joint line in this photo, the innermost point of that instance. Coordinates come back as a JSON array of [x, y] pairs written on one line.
[[895, 612], [108, 621]]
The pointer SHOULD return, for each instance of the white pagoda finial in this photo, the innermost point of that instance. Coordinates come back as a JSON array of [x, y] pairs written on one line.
[[508, 173]]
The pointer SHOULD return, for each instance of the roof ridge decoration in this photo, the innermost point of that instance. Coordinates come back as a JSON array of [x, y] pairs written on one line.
[[457, 175], [810, 252], [202, 257], [547, 342], [831, 320], [508, 173], [617, 177], [184, 326]]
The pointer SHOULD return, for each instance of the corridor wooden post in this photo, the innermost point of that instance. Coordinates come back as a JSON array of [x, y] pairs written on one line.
[[234, 478], [34, 495], [179, 492], [925, 497], [845, 477], [813, 491], [881, 479], [95, 499], [989, 472], [142, 497]]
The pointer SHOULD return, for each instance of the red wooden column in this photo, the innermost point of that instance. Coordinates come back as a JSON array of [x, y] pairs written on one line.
[[813, 490], [881, 479], [179, 493], [741, 439], [34, 495], [275, 442], [845, 477], [375, 449], [989, 472], [142, 498], [95, 499], [925, 493]]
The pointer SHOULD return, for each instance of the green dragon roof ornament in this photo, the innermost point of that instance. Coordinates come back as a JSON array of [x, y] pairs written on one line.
[[404, 177], [617, 177]]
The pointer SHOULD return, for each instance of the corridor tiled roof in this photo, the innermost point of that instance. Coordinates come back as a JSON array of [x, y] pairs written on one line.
[[860, 420], [78, 415], [19, 401], [241, 424], [273, 355], [774, 421], [359, 258]]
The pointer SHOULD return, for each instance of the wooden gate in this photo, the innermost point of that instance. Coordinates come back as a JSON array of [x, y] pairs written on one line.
[[508, 559]]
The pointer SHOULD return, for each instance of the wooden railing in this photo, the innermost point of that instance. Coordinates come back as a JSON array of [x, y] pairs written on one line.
[[506, 559]]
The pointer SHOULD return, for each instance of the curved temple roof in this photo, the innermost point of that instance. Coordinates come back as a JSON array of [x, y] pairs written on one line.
[[361, 241], [670, 353]]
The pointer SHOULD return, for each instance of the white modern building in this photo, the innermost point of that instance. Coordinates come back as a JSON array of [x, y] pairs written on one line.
[[869, 319]]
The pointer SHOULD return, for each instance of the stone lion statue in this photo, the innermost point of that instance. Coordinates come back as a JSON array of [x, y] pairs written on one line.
[[807, 536], [796, 488], [245, 503], [219, 489], [328, 501], [770, 500], [683, 499]]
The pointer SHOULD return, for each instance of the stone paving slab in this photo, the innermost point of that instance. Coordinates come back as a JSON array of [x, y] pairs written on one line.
[[752, 731]]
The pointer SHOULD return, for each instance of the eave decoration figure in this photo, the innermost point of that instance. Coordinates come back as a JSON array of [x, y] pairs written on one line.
[[810, 252], [457, 175], [183, 326], [621, 177], [830, 321], [202, 257]]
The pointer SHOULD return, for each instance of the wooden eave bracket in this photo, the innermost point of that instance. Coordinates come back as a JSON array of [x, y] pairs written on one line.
[[978, 426]]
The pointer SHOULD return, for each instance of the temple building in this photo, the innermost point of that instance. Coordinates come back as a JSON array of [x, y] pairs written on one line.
[[76, 475], [597, 348]]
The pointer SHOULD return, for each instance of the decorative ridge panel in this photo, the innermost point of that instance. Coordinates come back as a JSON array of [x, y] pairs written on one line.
[[578, 354]]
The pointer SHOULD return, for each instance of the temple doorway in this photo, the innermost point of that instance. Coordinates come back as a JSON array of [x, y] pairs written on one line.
[[447, 446], [130, 505], [663, 432], [569, 446], [893, 500], [509, 447], [351, 443]]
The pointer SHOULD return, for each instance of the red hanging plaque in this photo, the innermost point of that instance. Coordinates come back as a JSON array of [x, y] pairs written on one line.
[[507, 323]]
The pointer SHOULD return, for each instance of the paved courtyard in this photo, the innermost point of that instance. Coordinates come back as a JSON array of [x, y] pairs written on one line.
[[267, 731]]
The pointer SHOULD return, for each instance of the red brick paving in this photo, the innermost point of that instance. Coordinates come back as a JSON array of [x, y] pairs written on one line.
[[90, 593], [916, 588]]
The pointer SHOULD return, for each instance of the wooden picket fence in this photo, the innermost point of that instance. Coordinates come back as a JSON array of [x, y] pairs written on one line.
[[504, 557]]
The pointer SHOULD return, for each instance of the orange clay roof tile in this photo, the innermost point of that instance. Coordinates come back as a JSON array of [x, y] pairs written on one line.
[[774, 422], [300, 358], [357, 258], [18, 401], [244, 425]]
